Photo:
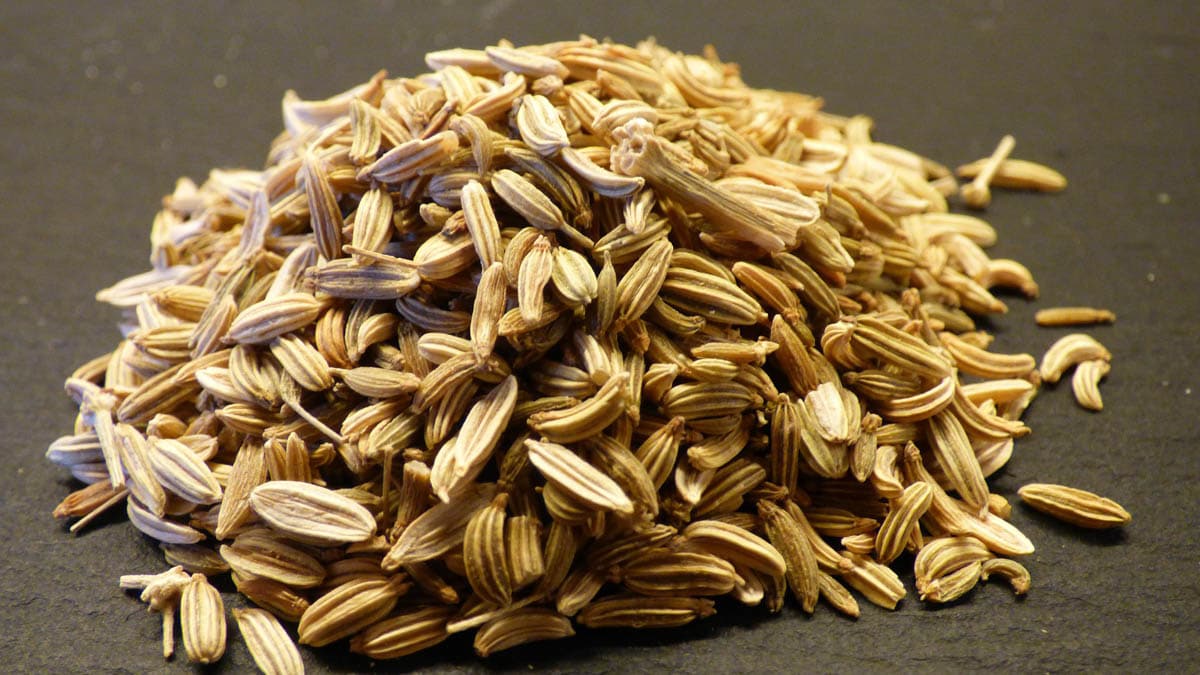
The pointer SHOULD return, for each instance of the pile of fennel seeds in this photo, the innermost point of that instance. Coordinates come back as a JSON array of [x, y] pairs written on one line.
[[575, 333]]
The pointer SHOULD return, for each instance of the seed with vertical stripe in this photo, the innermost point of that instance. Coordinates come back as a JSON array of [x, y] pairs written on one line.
[[349, 608], [409, 631], [273, 651], [202, 618], [786, 536], [1072, 505], [485, 553], [906, 510], [523, 626], [311, 514], [576, 477], [642, 612]]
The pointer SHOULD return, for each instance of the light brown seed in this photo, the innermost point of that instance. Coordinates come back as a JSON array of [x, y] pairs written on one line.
[[577, 590], [532, 624], [481, 223], [249, 471], [1073, 316], [525, 558], [577, 478], [311, 514], [437, 530], [573, 277], [268, 319], [378, 382], [181, 471], [877, 583], [536, 270], [1016, 574], [485, 554], [160, 528], [280, 600], [135, 461], [729, 485], [383, 279], [832, 521], [714, 297], [1069, 351], [786, 536], [905, 512], [1086, 383], [202, 617], [953, 585], [716, 451], [586, 418], [944, 555], [273, 651], [641, 284], [735, 544], [837, 596], [349, 608], [640, 612], [490, 300], [975, 361], [678, 573], [1018, 174], [1072, 505], [194, 558], [373, 223], [158, 394], [903, 350], [525, 62], [540, 125], [258, 554], [526, 199], [952, 448], [302, 362], [322, 203], [409, 631], [458, 464], [617, 461], [404, 161]]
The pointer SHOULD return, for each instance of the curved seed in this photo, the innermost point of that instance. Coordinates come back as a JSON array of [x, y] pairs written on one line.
[[1068, 351]]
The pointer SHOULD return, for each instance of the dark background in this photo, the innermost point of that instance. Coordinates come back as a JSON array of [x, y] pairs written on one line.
[[103, 105]]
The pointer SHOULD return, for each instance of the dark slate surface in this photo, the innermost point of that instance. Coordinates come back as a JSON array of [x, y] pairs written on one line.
[[103, 105]]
